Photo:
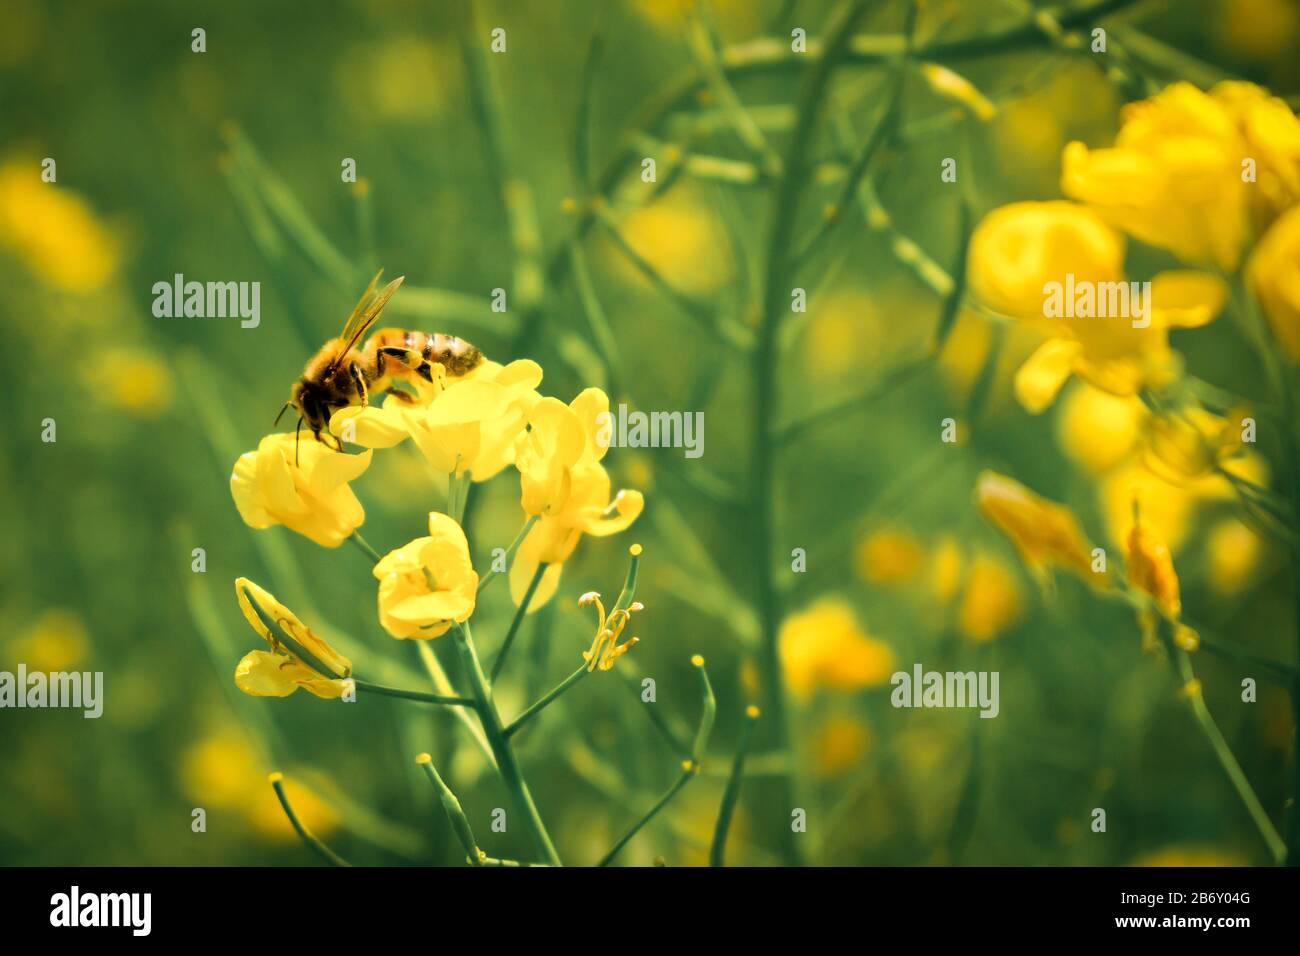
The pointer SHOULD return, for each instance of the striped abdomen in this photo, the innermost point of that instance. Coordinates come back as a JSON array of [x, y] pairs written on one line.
[[455, 355]]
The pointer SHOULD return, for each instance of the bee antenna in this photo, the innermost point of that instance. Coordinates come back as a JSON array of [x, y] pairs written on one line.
[[285, 408], [297, 435]]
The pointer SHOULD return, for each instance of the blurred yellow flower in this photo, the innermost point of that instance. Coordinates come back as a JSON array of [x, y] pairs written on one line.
[[1197, 856], [605, 648], [405, 78], [1168, 508], [429, 584], [948, 569], [53, 230], [1018, 248], [1111, 353], [1233, 551], [681, 237], [1096, 429], [888, 555], [1274, 275], [1044, 532], [951, 85], [1175, 176], [298, 657], [131, 378], [1190, 442], [823, 647], [992, 601], [467, 424], [839, 745], [223, 770], [1258, 29], [1151, 570], [564, 484], [55, 641]]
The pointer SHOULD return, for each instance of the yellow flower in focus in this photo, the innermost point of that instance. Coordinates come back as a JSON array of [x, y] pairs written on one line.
[[1151, 570], [992, 601], [1020, 247], [55, 641], [839, 745], [1044, 532], [564, 484], [1233, 551], [888, 556], [1096, 429], [301, 485], [467, 424], [605, 648], [53, 230], [1274, 275], [429, 584], [823, 646], [298, 657]]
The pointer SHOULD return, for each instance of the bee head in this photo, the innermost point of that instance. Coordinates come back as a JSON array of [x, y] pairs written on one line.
[[311, 404]]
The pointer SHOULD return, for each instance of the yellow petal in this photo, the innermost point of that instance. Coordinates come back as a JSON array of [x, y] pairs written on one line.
[[1186, 298], [1040, 378]]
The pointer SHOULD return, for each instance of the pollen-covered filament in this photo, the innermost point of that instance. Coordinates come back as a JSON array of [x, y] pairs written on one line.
[[605, 648]]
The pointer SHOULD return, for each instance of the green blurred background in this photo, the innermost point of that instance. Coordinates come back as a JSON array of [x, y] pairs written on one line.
[[156, 166]]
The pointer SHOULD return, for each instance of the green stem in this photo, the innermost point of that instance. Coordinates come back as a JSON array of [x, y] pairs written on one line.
[[455, 813], [362, 545], [732, 793], [534, 710], [507, 764], [688, 772], [766, 404], [520, 612], [510, 551], [414, 694], [277, 782], [1277, 848]]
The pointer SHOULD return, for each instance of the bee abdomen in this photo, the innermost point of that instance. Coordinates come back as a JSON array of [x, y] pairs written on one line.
[[454, 354]]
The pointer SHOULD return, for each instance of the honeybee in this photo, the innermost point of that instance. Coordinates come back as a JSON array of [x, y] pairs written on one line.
[[341, 374]]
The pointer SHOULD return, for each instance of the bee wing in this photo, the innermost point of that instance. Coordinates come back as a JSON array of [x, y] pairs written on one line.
[[358, 323], [360, 306]]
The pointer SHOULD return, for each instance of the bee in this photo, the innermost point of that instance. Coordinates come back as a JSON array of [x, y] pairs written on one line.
[[341, 374]]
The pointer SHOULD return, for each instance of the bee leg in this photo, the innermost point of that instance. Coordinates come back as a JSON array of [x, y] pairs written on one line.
[[411, 359], [401, 396], [360, 381]]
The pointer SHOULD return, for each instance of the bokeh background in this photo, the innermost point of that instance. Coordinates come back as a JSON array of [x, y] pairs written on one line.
[[173, 161]]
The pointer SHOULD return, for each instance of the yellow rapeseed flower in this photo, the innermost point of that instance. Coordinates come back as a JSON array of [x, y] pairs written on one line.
[[301, 485], [839, 745], [1151, 570], [1190, 442], [1233, 551], [1274, 276], [1174, 177], [429, 584], [1044, 532], [605, 648], [888, 555], [564, 484], [1096, 429], [298, 657], [468, 424], [53, 230], [823, 647], [992, 602]]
